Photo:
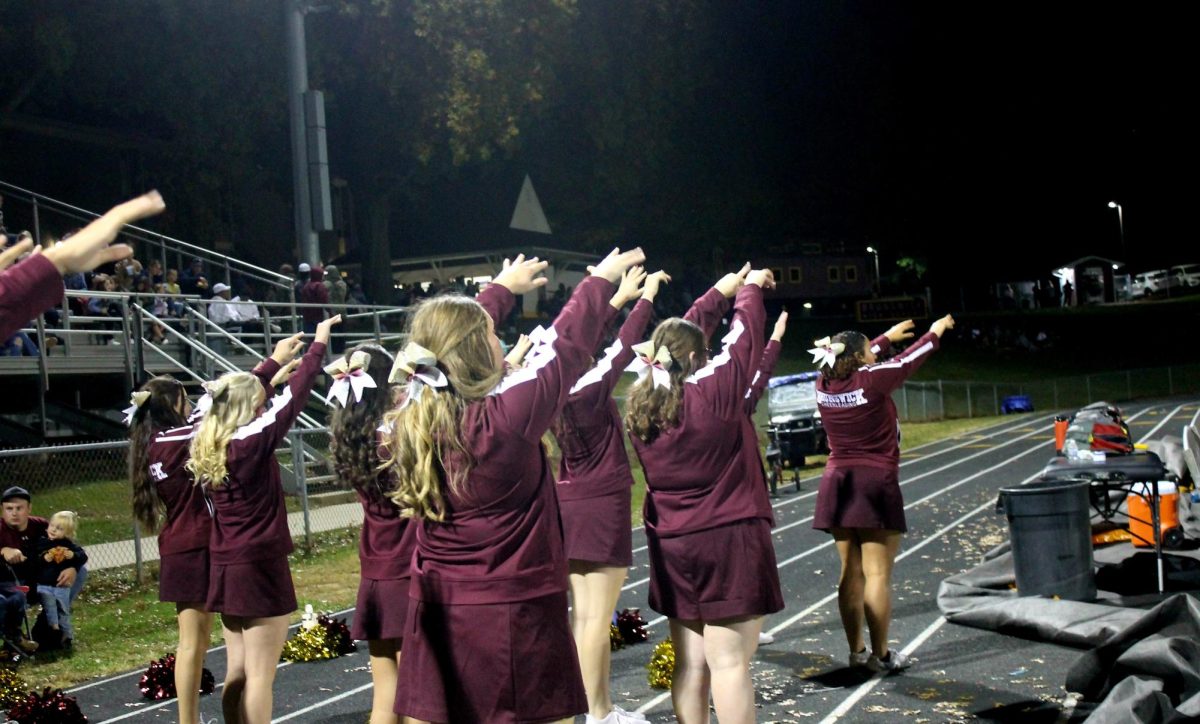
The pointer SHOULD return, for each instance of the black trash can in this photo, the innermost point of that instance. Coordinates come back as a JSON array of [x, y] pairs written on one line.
[[1049, 524]]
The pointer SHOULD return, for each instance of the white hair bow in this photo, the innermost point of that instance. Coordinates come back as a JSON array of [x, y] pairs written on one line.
[[136, 400], [349, 376], [826, 351], [653, 362], [418, 367]]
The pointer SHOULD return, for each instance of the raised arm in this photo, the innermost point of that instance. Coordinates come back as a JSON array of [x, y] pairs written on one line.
[[518, 276], [270, 428], [529, 399], [726, 378], [766, 367], [887, 376]]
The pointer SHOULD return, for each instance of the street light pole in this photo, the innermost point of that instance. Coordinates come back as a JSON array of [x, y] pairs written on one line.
[[1121, 226], [307, 249], [878, 283]]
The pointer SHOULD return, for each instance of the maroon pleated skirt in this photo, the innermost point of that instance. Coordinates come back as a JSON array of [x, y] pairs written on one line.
[[259, 589], [860, 497], [381, 610], [183, 577], [721, 573], [496, 663], [597, 530]]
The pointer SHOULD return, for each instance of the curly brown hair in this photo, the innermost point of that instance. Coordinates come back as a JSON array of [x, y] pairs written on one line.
[[851, 358], [352, 428], [651, 410]]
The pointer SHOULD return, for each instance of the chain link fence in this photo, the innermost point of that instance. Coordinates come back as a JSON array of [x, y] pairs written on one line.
[[91, 480], [942, 399]]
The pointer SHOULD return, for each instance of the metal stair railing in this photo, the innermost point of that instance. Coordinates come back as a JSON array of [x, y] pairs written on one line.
[[157, 245]]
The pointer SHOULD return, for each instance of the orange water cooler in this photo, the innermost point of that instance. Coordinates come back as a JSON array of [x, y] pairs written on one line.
[[1139, 513]]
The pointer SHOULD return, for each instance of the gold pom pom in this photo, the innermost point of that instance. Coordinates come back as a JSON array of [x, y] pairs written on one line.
[[662, 665], [12, 688], [309, 644], [615, 639]]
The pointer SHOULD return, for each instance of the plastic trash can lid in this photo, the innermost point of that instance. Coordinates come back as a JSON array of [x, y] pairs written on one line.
[[1042, 486]]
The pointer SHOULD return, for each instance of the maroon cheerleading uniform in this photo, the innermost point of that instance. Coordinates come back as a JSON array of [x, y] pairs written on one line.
[[860, 487], [26, 290], [487, 638], [250, 540], [594, 479], [385, 549], [707, 518], [183, 540], [758, 385]]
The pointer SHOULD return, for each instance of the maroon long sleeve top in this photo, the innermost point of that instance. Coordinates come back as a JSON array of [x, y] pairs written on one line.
[[502, 539], [858, 414], [250, 519], [26, 290], [698, 473], [189, 517], [589, 433]]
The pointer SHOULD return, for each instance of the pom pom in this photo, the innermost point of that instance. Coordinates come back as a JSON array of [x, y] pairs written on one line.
[[615, 640], [158, 683], [632, 626], [326, 639], [12, 687], [662, 665], [337, 633], [49, 707]]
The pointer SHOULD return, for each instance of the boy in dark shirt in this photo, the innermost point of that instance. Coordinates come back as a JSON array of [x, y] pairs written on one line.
[[57, 553]]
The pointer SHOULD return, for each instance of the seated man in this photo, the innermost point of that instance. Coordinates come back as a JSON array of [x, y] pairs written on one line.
[[19, 534]]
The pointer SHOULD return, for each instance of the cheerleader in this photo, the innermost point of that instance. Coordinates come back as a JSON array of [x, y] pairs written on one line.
[[707, 517], [487, 637], [249, 582], [594, 490], [859, 499], [386, 543]]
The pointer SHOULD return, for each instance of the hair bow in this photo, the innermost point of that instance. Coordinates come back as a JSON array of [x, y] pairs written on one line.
[[417, 366], [349, 376], [136, 400], [204, 404], [653, 362], [826, 352]]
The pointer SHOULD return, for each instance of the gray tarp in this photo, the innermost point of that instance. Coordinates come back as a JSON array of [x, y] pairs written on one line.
[[1143, 666]]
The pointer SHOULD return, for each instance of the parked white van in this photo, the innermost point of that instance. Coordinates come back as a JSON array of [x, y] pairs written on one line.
[[1159, 281], [1187, 275]]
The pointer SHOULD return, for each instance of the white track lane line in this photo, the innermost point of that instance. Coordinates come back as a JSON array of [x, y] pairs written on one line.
[[325, 702]]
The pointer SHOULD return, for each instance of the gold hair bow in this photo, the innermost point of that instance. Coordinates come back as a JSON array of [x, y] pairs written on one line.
[[826, 352], [136, 400], [653, 362], [349, 376], [418, 367]]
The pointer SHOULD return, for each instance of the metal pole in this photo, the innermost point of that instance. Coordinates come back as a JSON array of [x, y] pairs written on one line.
[[137, 552], [378, 331], [130, 379], [37, 223], [942, 400], [301, 476], [43, 375], [307, 249], [969, 415]]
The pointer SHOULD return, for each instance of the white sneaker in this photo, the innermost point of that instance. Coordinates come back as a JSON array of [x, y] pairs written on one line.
[[616, 716], [630, 714], [894, 661], [765, 638], [860, 658]]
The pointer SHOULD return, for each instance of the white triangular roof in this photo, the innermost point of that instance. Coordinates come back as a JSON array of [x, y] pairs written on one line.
[[528, 214]]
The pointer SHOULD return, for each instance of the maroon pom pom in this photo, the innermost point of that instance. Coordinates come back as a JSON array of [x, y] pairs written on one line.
[[49, 707], [632, 626], [158, 683], [337, 635]]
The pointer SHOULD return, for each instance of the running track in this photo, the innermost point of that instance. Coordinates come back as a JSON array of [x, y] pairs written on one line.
[[961, 674]]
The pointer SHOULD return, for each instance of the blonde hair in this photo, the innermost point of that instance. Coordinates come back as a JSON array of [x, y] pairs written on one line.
[[236, 398], [68, 520], [651, 410], [426, 433]]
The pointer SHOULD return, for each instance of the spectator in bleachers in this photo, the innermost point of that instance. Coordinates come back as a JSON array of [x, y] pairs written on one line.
[[302, 274], [154, 272], [35, 285], [20, 345], [314, 292], [126, 274], [335, 285], [193, 280]]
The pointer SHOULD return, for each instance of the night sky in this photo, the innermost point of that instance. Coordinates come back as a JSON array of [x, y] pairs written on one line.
[[943, 130]]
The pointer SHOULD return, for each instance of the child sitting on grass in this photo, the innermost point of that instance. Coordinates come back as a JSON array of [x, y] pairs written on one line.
[[58, 553]]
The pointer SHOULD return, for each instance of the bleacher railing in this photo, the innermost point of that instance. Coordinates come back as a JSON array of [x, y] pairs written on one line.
[[147, 244]]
